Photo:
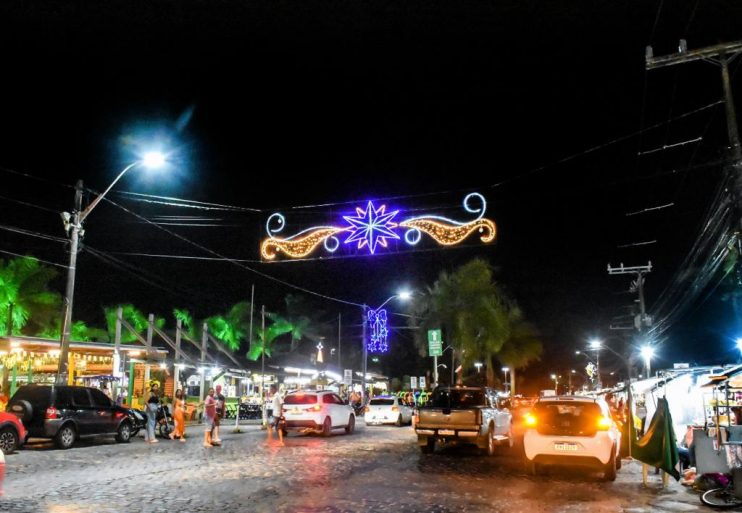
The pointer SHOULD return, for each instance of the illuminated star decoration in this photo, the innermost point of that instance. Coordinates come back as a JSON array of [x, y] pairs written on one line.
[[379, 332], [371, 227]]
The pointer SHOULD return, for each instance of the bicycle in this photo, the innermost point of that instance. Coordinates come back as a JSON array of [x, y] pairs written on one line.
[[730, 495]]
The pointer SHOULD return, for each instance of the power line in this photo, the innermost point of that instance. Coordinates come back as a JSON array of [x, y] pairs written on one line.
[[26, 204], [238, 264], [32, 177], [34, 257], [32, 233], [184, 203]]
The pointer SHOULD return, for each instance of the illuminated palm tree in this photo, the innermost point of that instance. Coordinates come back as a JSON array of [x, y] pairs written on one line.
[[27, 305]]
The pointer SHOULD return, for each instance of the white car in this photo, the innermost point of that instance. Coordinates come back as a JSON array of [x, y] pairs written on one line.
[[572, 431], [320, 411], [387, 410]]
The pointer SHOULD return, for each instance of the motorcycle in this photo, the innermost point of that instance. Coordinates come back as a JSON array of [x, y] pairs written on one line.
[[138, 421], [164, 424]]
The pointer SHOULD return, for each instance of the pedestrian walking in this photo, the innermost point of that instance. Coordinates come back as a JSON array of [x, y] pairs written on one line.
[[179, 416], [153, 404], [276, 413], [221, 406], [104, 388], [209, 414]]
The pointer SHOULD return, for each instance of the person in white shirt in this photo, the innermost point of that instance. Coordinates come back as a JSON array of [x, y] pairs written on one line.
[[277, 407]]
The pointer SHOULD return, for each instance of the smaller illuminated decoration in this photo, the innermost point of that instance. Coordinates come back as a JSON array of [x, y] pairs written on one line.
[[373, 227], [320, 359], [379, 333]]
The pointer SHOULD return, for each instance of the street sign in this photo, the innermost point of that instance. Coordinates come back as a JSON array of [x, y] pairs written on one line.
[[422, 381], [435, 343], [413, 382], [348, 377]]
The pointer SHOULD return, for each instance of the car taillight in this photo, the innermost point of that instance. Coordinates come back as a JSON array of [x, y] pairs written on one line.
[[529, 419], [604, 423], [366, 409], [395, 408], [51, 413], [316, 407]]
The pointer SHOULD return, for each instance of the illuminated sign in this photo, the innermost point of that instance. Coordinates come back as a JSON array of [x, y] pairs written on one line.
[[372, 227]]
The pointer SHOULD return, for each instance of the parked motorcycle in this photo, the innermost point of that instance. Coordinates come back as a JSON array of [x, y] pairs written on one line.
[[164, 424], [138, 421]]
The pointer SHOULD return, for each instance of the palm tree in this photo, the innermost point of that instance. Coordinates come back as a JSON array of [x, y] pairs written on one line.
[[26, 302], [262, 343], [475, 314], [522, 345], [231, 328], [187, 322], [131, 314], [79, 332]]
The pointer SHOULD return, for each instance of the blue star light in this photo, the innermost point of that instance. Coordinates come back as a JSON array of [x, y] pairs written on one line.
[[371, 227]]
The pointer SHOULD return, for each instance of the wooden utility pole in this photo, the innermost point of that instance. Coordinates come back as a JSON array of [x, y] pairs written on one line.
[[720, 55]]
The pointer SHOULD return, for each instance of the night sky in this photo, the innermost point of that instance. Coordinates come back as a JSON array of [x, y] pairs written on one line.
[[271, 105]]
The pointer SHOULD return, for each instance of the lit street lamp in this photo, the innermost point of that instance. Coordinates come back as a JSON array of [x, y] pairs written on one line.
[[570, 380], [478, 365], [596, 345], [556, 383], [74, 226], [505, 372], [647, 353], [404, 295]]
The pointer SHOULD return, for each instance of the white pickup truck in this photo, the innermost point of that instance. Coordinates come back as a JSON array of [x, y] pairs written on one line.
[[465, 415]]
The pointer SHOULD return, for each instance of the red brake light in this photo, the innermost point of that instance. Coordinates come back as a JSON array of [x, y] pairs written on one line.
[[51, 413], [529, 419]]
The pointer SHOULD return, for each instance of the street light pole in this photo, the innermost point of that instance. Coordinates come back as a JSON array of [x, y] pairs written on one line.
[[364, 308], [78, 217]]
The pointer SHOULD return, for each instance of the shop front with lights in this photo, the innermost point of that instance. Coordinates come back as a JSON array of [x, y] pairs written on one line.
[[28, 360]]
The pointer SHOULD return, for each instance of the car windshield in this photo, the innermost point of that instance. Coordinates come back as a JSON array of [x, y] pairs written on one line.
[[300, 399], [453, 398], [382, 402]]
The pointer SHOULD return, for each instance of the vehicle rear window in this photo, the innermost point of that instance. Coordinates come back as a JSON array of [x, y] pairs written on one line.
[[100, 399], [33, 394], [80, 397], [63, 397], [300, 399], [382, 402], [452, 398], [551, 411]]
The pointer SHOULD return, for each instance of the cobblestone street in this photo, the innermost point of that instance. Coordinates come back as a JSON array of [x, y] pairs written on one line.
[[376, 469]]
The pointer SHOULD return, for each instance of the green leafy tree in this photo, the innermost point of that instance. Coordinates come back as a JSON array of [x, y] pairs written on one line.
[[522, 345], [27, 305], [187, 322], [263, 342], [476, 315], [232, 327], [135, 317], [79, 332]]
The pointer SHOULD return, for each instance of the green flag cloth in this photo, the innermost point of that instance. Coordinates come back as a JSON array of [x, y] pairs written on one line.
[[657, 447]]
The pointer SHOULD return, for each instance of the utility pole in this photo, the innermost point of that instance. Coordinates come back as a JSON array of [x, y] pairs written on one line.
[[642, 320], [73, 229], [340, 324], [720, 55], [364, 308]]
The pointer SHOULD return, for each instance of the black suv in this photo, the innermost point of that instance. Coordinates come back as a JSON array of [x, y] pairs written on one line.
[[65, 413]]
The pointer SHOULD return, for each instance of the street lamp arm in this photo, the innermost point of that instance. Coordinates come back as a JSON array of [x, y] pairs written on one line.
[[100, 196]]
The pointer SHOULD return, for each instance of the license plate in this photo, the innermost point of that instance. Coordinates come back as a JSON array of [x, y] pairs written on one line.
[[565, 447], [444, 432], [295, 411]]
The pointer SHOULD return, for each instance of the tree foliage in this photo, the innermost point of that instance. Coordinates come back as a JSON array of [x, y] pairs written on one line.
[[25, 296], [477, 318]]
